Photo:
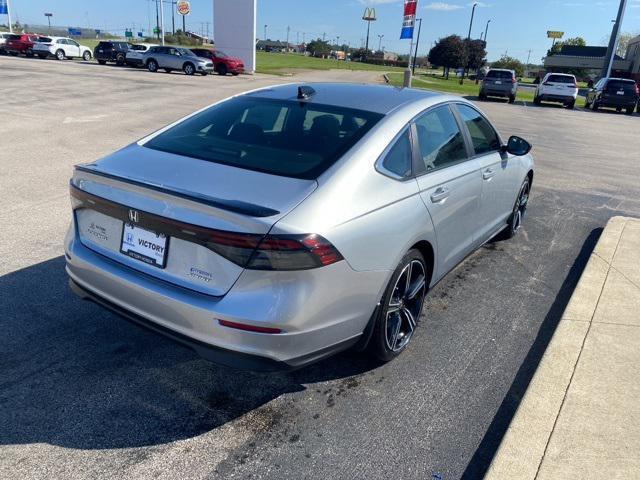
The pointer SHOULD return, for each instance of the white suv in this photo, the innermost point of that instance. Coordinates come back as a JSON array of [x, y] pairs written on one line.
[[557, 87], [61, 48]]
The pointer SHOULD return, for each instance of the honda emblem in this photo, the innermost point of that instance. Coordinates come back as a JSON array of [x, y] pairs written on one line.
[[134, 216]]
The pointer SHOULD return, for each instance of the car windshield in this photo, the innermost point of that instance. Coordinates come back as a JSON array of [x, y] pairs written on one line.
[[280, 137], [500, 74], [561, 79], [220, 54], [13, 37], [185, 51]]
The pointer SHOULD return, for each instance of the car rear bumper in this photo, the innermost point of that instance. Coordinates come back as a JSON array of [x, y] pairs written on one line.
[[546, 97], [613, 102], [319, 311], [498, 92]]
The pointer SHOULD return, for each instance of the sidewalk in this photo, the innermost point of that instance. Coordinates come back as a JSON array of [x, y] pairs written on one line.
[[580, 417]]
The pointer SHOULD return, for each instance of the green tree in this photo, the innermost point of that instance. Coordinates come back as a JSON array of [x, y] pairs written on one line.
[[510, 63], [448, 52], [319, 48], [575, 41], [476, 53]]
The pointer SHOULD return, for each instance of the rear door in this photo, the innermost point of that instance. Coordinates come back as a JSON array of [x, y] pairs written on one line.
[[498, 173], [449, 183]]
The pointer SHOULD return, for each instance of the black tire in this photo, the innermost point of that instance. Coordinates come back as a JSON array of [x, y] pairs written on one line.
[[86, 56], [630, 110], [40, 55], [189, 68], [102, 62], [482, 96], [537, 101], [60, 54], [152, 66], [618, 109], [222, 69], [519, 209], [29, 53], [571, 105], [13, 54], [399, 312], [512, 99], [235, 74], [120, 59], [595, 106], [587, 105]]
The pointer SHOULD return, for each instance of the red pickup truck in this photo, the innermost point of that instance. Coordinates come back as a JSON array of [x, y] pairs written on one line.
[[22, 44]]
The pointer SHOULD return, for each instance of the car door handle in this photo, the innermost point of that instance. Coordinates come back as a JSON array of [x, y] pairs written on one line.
[[440, 194], [488, 174]]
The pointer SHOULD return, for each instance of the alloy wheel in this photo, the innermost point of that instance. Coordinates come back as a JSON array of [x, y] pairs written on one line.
[[405, 305], [520, 207]]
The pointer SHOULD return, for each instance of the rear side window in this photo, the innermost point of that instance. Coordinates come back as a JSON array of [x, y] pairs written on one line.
[[500, 74], [561, 79], [440, 139], [398, 158], [280, 137], [484, 137]]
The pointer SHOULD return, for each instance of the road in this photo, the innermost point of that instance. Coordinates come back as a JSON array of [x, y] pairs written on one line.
[[84, 394]]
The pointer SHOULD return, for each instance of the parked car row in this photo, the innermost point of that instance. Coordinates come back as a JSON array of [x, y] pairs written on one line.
[[152, 57], [617, 93]]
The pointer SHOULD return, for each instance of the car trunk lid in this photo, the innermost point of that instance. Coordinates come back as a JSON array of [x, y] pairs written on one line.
[[171, 203]]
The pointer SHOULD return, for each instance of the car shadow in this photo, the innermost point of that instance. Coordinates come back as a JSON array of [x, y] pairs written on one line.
[[78, 376], [481, 460]]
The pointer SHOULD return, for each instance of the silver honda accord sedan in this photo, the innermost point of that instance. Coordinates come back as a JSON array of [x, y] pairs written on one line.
[[283, 225]]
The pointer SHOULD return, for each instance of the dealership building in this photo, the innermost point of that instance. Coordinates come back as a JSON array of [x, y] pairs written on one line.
[[593, 58]]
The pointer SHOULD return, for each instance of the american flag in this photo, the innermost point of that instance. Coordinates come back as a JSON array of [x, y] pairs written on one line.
[[410, 7]]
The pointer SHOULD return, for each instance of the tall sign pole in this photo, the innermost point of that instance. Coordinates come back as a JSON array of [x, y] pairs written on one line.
[[162, 20], [369, 16], [408, 25], [5, 7], [613, 41]]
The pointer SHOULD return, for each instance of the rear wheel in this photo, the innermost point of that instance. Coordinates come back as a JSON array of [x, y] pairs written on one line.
[[189, 69], [482, 95], [86, 56], [618, 109], [571, 105], [120, 59], [512, 99], [630, 110], [152, 66], [400, 308], [29, 53], [60, 54], [222, 69], [102, 62]]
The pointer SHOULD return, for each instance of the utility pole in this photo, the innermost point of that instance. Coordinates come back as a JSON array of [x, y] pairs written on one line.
[[297, 38], [323, 36], [528, 58], [464, 70], [173, 18], [613, 41], [265, 31], [162, 21], [415, 56], [380, 41], [288, 30], [9, 15], [157, 21], [48, 15]]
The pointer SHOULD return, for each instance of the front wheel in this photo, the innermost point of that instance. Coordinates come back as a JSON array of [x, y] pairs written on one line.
[[189, 69], [29, 53], [519, 209], [60, 55], [571, 105], [512, 99], [399, 311], [630, 110], [152, 66], [222, 69], [120, 60], [86, 56]]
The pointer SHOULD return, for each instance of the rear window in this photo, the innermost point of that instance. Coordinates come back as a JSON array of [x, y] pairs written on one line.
[[499, 74], [44, 40], [280, 137], [12, 37], [138, 47], [561, 79], [628, 86]]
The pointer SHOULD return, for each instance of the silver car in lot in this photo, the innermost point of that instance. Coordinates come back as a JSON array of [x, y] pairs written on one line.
[[175, 58], [282, 225]]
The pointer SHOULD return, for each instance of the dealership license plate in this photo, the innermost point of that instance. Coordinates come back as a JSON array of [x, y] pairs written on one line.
[[621, 92], [144, 245], [498, 82]]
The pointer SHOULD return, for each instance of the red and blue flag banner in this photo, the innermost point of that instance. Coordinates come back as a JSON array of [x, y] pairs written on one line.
[[410, 8], [4, 9]]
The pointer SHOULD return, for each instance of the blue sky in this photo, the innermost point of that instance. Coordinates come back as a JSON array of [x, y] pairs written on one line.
[[516, 25]]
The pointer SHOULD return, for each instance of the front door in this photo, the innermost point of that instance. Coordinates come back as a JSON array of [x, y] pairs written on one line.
[[72, 48], [498, 173], [449, 183]]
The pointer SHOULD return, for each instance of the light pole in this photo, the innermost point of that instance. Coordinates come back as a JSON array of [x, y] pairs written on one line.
[[380, 41], [415, 55], [162, 21], [157, 21], [613, 41], [9, 15], [464, 69], [486, 29], [49, 15], [265, 32]]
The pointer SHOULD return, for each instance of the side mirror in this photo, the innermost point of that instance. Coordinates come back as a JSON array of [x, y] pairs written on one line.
[[517, 146]]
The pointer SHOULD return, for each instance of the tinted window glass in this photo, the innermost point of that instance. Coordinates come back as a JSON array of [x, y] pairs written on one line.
[[499, 74], [561, 79], [138, 47], [281, 137], [398, 158], [441, 142], [484, 137], [617, 85]]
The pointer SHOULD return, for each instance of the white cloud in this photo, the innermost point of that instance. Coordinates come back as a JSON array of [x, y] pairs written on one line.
[[376, 2], [446, 7]]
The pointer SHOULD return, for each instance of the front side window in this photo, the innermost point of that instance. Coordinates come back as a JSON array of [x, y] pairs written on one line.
[[280, 137], [440, 139], [71, 42], [398, 158], [484, 137]]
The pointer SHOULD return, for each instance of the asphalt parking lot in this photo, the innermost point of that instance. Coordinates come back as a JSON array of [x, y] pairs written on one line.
[[84, 394]]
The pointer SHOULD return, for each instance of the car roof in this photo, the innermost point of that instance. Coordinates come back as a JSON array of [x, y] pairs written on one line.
[[561, 74], [373, 98], [621, 79]]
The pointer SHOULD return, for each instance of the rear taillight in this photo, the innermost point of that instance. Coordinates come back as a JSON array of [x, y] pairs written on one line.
[[637, 90], [274, 252]]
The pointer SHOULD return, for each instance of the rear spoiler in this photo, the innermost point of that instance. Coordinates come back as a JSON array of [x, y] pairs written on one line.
[[235, 206]]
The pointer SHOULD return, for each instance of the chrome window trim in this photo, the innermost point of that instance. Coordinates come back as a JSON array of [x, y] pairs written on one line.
[[380, 168]]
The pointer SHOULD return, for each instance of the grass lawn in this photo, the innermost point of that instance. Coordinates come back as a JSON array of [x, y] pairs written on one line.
[[282, 63]]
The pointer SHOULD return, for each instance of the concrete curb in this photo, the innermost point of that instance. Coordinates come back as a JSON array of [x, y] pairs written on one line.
[[524, 450]]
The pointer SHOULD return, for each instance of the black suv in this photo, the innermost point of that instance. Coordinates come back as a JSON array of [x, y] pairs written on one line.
[[618, 93], [111, 52]]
